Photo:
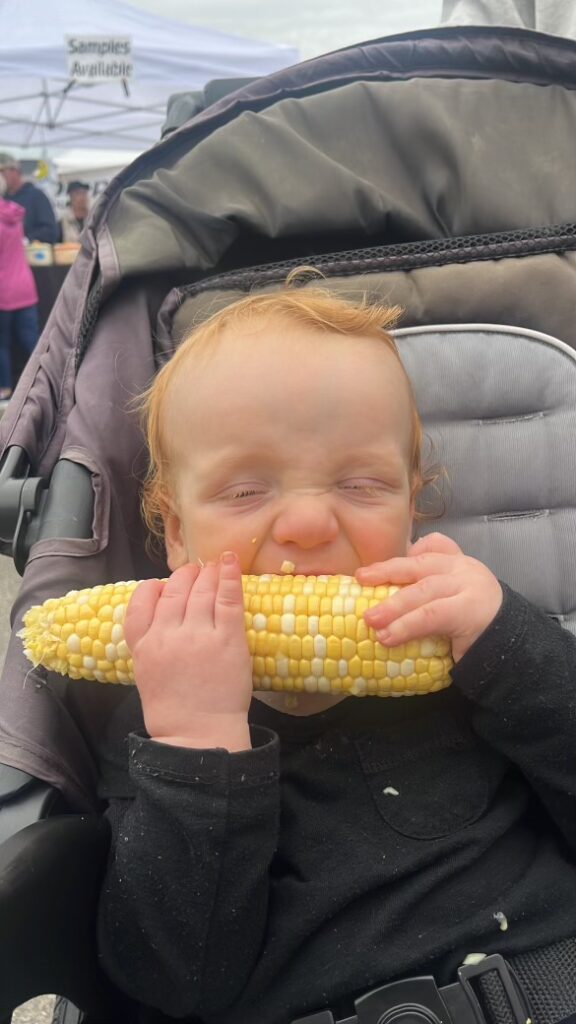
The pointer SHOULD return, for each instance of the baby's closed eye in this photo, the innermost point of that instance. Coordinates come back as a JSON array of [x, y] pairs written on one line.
[[366, 487], [245, 492]]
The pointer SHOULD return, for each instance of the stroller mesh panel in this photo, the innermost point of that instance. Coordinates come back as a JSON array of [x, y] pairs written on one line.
[[407, 256]]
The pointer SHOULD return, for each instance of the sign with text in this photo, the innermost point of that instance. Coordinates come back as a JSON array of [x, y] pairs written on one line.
[[99, 58]]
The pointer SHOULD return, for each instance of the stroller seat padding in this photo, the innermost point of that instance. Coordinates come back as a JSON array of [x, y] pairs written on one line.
[[499, 406]]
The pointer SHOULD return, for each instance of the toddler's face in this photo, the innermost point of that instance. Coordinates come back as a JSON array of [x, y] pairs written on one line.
[[290, 445]]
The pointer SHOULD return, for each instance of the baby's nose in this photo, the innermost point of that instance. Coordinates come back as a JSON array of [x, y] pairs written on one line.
[[307, 521]]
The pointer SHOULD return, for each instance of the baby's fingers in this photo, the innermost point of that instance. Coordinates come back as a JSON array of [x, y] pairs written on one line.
[[229, 605], [404, 570], [435, 619], [417, 607], [200, 609], [171, 607], [141, 610]]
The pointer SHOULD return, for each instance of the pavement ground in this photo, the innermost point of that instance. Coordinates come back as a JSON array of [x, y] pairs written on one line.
[[36, 1011]]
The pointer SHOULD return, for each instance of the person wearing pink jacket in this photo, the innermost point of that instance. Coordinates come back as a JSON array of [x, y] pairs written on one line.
[[18, 294]]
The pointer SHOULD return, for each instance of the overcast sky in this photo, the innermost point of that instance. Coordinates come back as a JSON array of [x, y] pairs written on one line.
[[313, 26]]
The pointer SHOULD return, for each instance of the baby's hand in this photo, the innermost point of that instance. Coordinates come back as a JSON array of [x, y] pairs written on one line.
[[191, 660], [445, 593]]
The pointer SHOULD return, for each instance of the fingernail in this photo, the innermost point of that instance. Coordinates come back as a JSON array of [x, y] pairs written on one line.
[[384, 636], [229, 558]]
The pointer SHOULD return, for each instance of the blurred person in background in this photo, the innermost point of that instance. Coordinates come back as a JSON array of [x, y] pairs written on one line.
[[74, 217], [18, 294], [40, 224]]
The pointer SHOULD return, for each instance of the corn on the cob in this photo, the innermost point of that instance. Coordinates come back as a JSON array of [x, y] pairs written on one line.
[[305, 634]]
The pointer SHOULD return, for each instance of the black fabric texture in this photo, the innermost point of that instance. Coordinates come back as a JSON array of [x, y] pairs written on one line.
[[378, 840]]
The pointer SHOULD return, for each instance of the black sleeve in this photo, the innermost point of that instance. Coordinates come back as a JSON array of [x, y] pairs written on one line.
[[185, 899], [520, 676], [44, 227]]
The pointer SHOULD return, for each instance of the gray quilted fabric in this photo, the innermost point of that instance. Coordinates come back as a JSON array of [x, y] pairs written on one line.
[[499, 408]]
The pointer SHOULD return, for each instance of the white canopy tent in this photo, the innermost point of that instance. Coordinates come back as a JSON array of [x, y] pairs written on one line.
[[42, 107]]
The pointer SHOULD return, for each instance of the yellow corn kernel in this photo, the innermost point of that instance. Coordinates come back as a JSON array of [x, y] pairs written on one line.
[[338, 627], [330, 668], [304, 633], [261, 645], [347, 648], [295, 647], [355, 667], [350, 624], [274, 623], [333, 648], [308, 647]]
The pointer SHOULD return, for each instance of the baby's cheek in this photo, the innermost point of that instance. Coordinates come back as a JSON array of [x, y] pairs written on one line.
[[387, 540]]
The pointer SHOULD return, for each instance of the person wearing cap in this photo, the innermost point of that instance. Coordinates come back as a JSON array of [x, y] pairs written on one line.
[[74, 217], [40, 224]]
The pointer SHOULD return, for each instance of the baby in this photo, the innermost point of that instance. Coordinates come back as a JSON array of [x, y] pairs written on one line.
[[272, 861]]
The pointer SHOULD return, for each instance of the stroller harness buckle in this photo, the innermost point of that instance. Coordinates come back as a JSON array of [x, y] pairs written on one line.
[[419, 1000]]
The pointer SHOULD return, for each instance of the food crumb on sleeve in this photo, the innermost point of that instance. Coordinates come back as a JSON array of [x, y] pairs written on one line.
[[502, 920]]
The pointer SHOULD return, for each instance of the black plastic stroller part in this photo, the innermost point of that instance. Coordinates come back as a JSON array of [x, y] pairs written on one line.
[[420, 1001], [24, 800], [20, 496], [50, 876], [182, 106], [32, 509]]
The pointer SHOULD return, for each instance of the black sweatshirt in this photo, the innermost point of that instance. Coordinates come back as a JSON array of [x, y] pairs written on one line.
[[376, 840]]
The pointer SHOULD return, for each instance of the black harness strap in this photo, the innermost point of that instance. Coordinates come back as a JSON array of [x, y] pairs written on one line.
[[420, 1001], [531, 988], [548, 976]]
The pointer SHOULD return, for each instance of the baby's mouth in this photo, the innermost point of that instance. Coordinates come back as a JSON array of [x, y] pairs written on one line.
[[290, 568]]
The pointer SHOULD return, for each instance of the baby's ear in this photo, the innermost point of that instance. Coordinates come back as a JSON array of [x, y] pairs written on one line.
[[176, 553]]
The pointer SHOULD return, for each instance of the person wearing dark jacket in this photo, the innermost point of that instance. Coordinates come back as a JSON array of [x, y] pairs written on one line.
[[40, 224]]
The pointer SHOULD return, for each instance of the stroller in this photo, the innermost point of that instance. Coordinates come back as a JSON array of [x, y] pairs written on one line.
[[429, 169]]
